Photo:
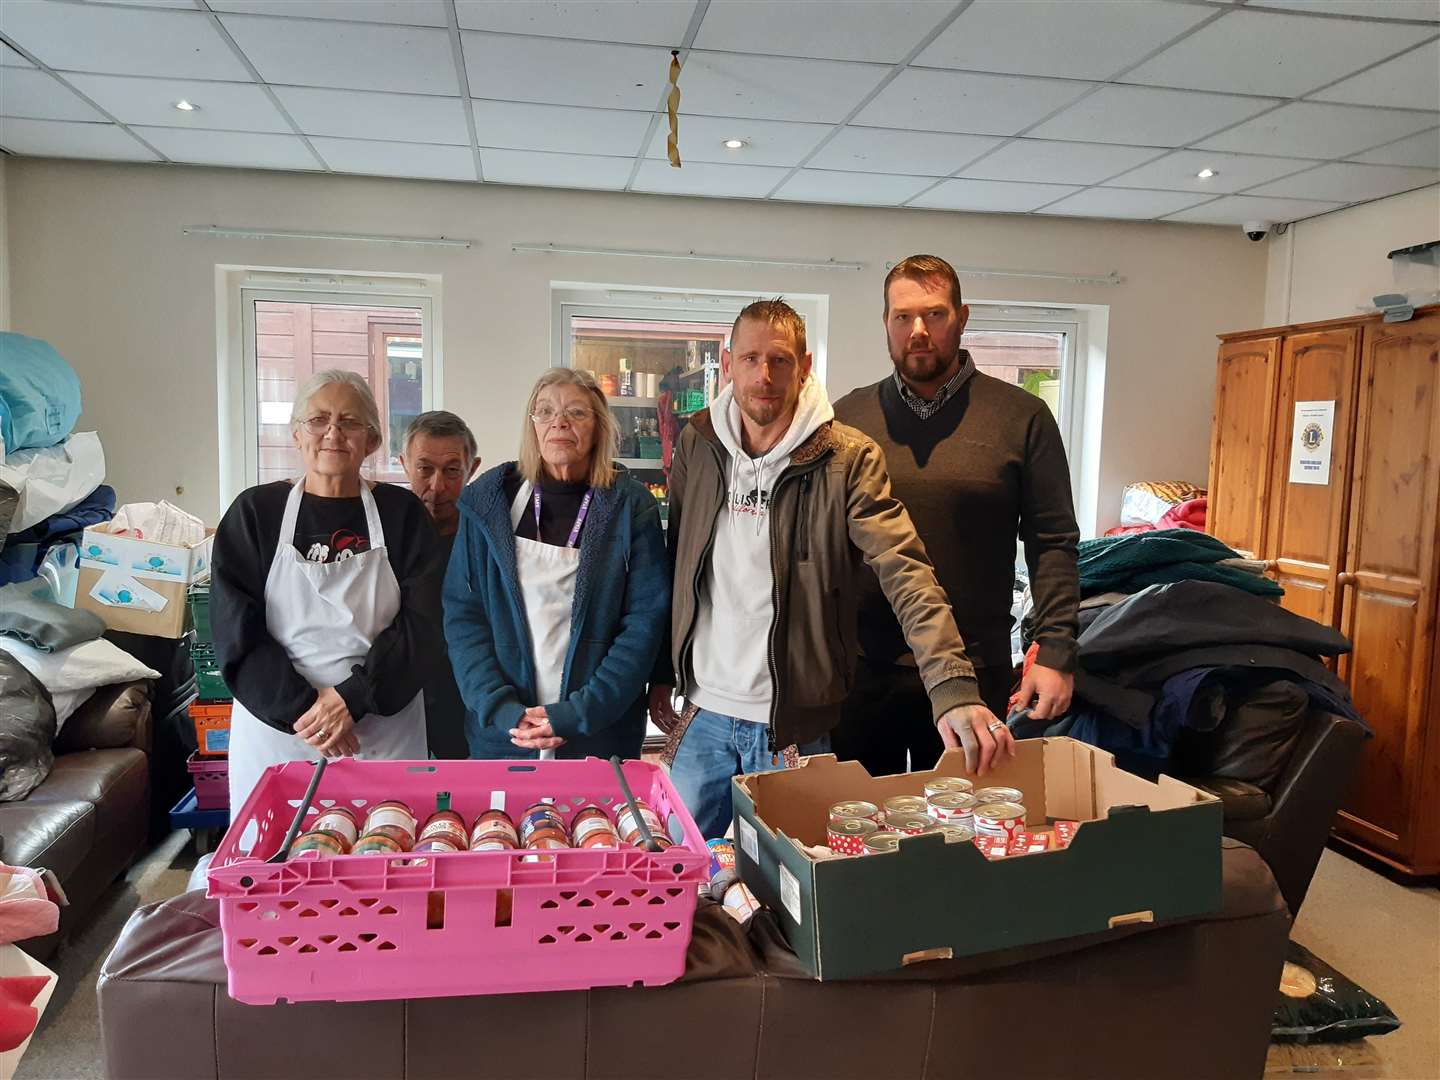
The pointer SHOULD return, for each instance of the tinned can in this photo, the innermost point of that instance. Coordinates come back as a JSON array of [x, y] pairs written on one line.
[[855, 808], [909, 805], [339, 820], [740, 902], [1000, 794], [909, 824], [592, 828], [957, 834], [723, 873], [1002, 819], [394, 832], [493, 825], [947, 784], [377, 843], [391, 813], [847, 836], [881, 842], [542, 815], [629, 826], [323, 842], [949, 806], [444, 825]]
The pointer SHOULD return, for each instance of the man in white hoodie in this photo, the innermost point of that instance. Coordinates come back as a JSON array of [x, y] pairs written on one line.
[[773, 508]]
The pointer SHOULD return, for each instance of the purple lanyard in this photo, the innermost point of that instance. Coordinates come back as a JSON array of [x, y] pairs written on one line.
[[579, 518]]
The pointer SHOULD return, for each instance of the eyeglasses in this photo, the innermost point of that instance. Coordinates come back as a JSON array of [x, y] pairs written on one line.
[[576, 414], [319, 425]]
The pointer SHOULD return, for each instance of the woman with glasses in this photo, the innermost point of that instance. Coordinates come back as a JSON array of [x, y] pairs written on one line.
[[318, 591], [558, 590]]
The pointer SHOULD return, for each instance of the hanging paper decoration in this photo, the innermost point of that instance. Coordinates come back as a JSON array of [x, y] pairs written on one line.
[[672, 144]]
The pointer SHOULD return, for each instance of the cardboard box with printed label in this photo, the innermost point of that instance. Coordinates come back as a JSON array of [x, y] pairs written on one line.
[[139, 585], [1144, 852]]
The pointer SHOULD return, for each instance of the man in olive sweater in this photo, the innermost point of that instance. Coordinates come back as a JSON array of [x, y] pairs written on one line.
[[977, 462]]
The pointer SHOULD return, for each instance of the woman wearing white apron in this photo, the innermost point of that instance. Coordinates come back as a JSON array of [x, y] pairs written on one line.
[[319, 595], [558, 591]]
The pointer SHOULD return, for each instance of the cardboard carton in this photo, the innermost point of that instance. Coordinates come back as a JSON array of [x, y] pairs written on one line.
[[1145, 852], [139, 585]]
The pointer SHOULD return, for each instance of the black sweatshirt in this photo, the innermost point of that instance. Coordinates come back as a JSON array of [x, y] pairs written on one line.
[[256, 668], [988, 464]]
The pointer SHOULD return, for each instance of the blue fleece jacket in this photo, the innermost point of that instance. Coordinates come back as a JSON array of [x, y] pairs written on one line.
[[619, 619]]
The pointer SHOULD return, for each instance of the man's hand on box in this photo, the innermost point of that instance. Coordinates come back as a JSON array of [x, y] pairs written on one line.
[[986, 740]]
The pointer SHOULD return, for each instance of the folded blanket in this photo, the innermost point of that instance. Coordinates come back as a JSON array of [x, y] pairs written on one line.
[[1130, 563], [42, 624]]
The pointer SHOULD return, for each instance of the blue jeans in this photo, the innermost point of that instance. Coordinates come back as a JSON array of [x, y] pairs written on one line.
[[714, 749]]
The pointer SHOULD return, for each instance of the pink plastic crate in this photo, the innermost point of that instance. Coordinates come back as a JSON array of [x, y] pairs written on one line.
[[371, 927], [211, 777]]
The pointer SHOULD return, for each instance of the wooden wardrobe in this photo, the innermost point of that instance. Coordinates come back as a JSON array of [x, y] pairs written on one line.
[[1360, 553]]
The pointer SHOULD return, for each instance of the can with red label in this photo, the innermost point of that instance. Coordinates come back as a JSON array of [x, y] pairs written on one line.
[[942, 785], [881, 842], [855, 808], [740, 903], [909, 805], [592, 828], [957, 834], [323, 842], [629, 827], [1002, 819], [1000, 794], [909, 824], [444, 825], [948, 806], [541, 816], [392, 813], [339, 820], [491, 825], [847, 836], [723, 872]]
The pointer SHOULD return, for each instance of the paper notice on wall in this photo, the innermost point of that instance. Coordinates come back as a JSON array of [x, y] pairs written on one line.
[[1311, 442]]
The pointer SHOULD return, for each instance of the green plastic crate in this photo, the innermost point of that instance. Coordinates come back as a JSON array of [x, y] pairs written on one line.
[[208, 681], [199, 601]]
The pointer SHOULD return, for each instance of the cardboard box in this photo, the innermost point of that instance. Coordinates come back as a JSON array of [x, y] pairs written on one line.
[[139, 585], [1146, 852]]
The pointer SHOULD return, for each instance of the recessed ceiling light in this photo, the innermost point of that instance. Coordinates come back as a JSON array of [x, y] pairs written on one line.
[[1206, 174], [185, 106], [735, 144]]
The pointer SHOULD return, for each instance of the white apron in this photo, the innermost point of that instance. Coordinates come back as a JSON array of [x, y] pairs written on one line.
[[325, 616], [547, 585]]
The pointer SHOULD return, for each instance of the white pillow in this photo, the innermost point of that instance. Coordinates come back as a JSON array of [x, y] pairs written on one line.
[[80, 667], [67, 701]]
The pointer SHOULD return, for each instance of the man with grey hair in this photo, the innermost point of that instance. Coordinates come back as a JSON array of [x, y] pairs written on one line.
[[440, 458]]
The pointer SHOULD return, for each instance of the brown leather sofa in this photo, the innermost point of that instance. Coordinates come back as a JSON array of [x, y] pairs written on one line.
[[1192, 1000], [88, 821]]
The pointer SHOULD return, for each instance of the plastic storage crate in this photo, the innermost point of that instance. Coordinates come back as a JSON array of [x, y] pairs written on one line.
[[372, 927], [198, 598], [209, 683], [212, 727], [212, 781]]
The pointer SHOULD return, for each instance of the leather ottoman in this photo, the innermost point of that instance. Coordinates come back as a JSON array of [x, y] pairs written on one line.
[[1191, 999]]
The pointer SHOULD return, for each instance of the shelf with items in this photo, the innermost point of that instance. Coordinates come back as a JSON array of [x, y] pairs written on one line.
[[633, 402], [640, 463]]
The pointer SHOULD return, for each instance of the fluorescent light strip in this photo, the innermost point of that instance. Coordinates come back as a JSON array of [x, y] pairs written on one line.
[[1112, 278], [686, 256], [281, 234]]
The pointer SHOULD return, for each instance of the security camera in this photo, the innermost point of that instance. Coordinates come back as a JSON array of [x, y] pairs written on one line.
[[1256, 230]]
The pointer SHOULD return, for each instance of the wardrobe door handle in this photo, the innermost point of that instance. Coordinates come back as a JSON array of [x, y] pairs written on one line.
[[1346, 578]]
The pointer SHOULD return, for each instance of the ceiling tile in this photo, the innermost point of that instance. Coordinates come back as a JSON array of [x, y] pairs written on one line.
[[40, 96], [1239, 209], [634, 22], [189, 5], [55, 138], [1123, 203], [1093, 40], [400, 12], [775, 88], [121, 40], [1038, 160], [555, 170], [353, 114], [354, 56], [1303, 129], [10, 58], [1374, 9], [822, 29], [962, 102], [223, 106], [526, 69], [1422, 149], [733, 181], [1256, 52], [1411, 81], [1140, 115], [559, 128], [397, 159], [915, 153], [1233, 172], [856, 188], [240, 149], [767, 142], [1346, 182], [991, 196]]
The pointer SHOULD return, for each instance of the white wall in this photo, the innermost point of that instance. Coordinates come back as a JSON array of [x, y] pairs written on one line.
[[1331, 267], [102, 271], [4, 249]]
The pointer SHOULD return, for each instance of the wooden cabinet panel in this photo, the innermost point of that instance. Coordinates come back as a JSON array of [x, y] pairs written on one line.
[[1241, 441], [1306, 532], [1389, 602]]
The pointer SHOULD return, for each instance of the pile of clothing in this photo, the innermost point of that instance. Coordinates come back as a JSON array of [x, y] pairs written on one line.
[[51, 477], [1160, 504]]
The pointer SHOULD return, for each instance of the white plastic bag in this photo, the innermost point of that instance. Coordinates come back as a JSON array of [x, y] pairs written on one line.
[[54, 479]]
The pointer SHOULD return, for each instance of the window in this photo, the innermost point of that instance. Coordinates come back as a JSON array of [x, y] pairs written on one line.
[[1036, 353], [290, 334]]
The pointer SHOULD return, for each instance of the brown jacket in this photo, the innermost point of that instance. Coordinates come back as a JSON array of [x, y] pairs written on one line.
[[831, 509]]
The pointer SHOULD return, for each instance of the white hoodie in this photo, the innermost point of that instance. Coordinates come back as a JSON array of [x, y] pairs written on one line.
[[732, 628]]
